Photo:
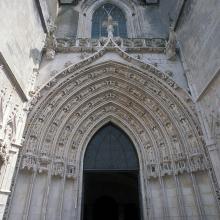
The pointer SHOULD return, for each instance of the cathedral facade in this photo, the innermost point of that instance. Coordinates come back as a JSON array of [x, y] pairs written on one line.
[[110, 110]]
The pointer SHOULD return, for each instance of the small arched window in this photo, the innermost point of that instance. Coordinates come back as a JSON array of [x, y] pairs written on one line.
[[100, 16]]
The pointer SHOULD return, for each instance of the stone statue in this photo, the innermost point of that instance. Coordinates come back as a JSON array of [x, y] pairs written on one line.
[[109, 24], [171, 45], [3, 153], [176, 145], [51, 42], [150, 154], [8, 133], [5, 143]]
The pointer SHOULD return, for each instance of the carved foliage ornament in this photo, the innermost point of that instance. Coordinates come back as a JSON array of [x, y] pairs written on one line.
[[69, 110]]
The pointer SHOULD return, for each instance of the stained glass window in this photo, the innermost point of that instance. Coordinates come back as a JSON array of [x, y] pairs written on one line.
[[101, 15]]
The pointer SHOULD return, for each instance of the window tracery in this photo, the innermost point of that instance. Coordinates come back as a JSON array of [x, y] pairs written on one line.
[[100, 16]]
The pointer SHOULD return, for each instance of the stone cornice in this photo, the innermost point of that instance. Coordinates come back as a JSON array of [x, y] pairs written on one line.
[[130, 45]]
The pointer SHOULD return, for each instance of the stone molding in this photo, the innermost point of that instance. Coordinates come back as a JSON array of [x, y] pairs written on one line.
[[111, 45], [141, 45], [129, 8], [108, 83], [157, 115]]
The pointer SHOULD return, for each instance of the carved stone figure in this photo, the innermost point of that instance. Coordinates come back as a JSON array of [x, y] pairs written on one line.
[[156, 133], [70, 171], [171, 45], [163, 151], [58, 169], [8, 133], [176, 145], [185, 125], [170, 129], [194, 147], [29, 161], [180, 166], [3, 153], [150, 154], [109, 24], [51, 42], [166, 168]]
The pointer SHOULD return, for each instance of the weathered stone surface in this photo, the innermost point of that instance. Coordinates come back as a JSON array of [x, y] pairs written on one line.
[[140, 83], [198, 33], [21, 38]]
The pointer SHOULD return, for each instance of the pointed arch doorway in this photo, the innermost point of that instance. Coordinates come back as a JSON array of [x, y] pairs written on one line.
[[111, 177]]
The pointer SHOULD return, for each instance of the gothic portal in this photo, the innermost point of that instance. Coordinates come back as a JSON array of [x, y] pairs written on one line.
[[109, 110], [111, 177]]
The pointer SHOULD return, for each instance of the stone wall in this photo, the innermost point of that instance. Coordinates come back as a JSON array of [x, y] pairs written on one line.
[[52, 6], [56, 198], [208, 106], [153, 25], [12, 121], [21, 38], [198, 35], [67, 22], [21, 41], [147, 21], [168, 11]]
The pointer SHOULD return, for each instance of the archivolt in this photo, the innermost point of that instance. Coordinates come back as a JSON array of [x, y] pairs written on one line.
[[161, 122]]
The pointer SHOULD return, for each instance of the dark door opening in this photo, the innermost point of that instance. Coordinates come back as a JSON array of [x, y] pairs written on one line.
[[105, 206], [111, 177], [111, 196]]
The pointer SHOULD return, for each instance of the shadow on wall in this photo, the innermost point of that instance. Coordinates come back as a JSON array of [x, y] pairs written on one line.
[[35, 54], [67, 22]]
